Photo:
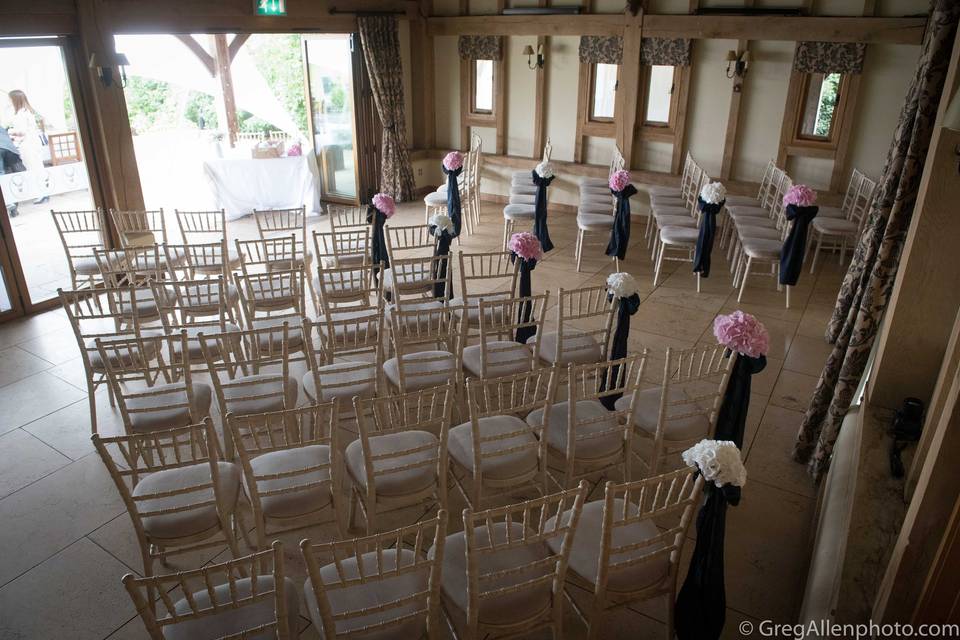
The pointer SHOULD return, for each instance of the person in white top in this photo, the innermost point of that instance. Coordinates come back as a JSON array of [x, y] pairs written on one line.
[[26, 129]]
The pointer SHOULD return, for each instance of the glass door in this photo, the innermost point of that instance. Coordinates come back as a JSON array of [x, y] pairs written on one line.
[[330, 95], [43, 168]]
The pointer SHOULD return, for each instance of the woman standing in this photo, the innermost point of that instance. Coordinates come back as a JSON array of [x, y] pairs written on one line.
[[26, 129]]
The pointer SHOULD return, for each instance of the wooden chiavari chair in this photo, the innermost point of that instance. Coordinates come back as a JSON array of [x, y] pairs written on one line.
[[490, 276], [378, 586], [408, 242], [249, 597], [138, 268], [400, 458], [196, 306], [628, 545], [496, 450], [830, 232], [428, 348], [497, 352], [209, 261], [80, 233], [503, 575], [584, 321], [204, 228], [292, 468], [180, 495], [273, 299], [682, 410], [342, 218]]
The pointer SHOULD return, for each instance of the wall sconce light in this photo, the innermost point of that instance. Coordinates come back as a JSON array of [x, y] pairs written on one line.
[[737, 62], [105, 71], [528, 51]]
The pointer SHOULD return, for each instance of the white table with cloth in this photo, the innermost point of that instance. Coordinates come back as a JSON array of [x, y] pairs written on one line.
[[241, 185]]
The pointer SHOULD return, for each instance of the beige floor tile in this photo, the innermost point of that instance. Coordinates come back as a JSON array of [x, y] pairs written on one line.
[[758, 406], [769, 459], [16, 364], [34, 397], [764, 382], [68, 429], [56, 347], [689, 299], [793, 390], [671, 321], [53, 512], [815, 320], [25, 459], [75, 594], [17, 331], [73, 372], [132, 630], [808, 355]]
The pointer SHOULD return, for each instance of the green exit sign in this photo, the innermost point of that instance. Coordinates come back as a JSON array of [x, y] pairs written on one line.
[[270, 7]]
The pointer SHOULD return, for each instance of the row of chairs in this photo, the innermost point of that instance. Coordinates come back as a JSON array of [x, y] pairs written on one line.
[[507, 573], [521, 204], [468, 183], [596, 208]]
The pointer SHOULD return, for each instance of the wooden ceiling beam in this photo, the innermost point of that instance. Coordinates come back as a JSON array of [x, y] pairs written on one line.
[[237, 43], [197, 50], [529, 25]]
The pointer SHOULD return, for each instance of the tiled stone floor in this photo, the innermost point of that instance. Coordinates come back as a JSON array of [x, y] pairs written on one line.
[[66, 539]]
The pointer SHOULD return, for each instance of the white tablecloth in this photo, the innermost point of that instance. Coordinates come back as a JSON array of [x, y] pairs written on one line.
[[49, 181], [240, 185]]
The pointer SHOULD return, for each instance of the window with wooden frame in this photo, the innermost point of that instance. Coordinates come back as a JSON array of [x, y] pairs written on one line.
[[481, 87], [604, 80], [659, 97], [820, 108]]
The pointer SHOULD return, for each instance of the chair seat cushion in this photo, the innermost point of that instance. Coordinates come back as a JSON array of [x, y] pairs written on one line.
[[591, 418], [339, 284], [344, 379], [149, 413], [193, 342], [504, 357], [85, 265], [668, 201], [754, 221], [518, 211], [294, 331], [436, 199], [585, 552], [370, 596], [589, 198], [659, 211], [181, 524], [579, 347], [835, 226], [679, 235], [522, 198], [421, 369], [677, 221], [265, 392], [592, 207], [411, 278], [523, 189], [351, 323], [144, 304], [586, 181], [521, 180], [742, 201], [647, 411], [425, 321], [830, 212], [473, 306], [299, 502], [117, 360], [233, 621], [505, 608], [748, 211], [761, 248], [767, 233], [403, 481], [495, 467], [596, 190], [663, 190], [594, 221]]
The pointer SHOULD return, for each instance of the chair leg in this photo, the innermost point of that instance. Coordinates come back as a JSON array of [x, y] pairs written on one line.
[[579, 248], [816, 252], [668, 625], [743, 283], [506, 230], [656, 271], [92, 399]]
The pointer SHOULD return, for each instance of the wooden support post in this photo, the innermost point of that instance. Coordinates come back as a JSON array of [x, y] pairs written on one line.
[[422, 77], [540, 102], [222, 58], [628, 91], [733, 115]]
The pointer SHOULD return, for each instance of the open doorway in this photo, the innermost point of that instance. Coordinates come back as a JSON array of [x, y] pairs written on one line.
[[243, 121]]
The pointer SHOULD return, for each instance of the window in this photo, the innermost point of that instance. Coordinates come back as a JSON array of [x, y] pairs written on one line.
[[604, 91], [821, 98], [659, 100], [483, 86]]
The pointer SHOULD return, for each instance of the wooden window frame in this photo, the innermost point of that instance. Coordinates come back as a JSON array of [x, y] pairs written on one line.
[[586, 126], [592, 88], [827, 142], [497, 119], [473, 90], [656, 130]]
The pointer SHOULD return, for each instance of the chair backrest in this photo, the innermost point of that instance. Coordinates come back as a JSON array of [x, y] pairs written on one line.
[[131, 265], [426, 272], [775, 190], [520, 532], [193, 303], [140, 228], [353, 341], [547, 150], [98, 313], [428, 410], [224, 589], [258, 434], [80, 231], [779, 207], [341, 217], [268, 254], [693, 384], [348, 286], [282, 222], [616, 161], [202, 226], [767, 180], [405, 562], [201, 259], [862, 202], [500, 319], [408, 241], [342, 246], [665, 503], [483, 273], [274, 295], [415, 329], [584, 319], [131, 459]]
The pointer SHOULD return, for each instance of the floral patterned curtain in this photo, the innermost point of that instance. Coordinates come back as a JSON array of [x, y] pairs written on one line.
[[601, 49], [480, 47], [381, 52], [665, 51], [867, 286], [829, 57]]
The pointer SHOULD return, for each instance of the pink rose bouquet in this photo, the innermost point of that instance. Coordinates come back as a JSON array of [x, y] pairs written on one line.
[[453, 161], [384, 204], [743, 333], [619, 180], [526, 245], [800, 195]]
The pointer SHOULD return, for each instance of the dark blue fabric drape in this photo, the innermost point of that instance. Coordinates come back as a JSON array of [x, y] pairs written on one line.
[[540, 211], [378, 246], [708, 229], [453, 199], [626, 307], [620, 235], [702, 603], [732, 418], [791, 258], [526, 266], [441, 267]]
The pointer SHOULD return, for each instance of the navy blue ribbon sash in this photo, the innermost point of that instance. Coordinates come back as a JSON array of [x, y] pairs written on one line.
[[732, 418], [791, 257], [526, 266], [620, 234], [540, 211], [378, 246], [702, 603], [453, 199], [708, 229], [626, 307], [441, 267]]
